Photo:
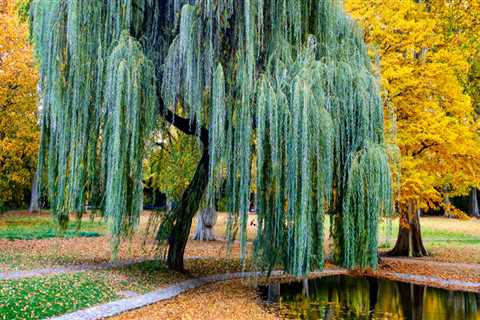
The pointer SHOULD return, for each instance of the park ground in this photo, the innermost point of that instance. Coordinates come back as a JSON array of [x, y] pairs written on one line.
[[32, 242]]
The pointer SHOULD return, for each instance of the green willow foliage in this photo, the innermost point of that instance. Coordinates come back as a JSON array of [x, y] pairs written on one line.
[[289, 82]]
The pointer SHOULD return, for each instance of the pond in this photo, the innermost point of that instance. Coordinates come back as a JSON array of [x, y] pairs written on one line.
[[348, 297]]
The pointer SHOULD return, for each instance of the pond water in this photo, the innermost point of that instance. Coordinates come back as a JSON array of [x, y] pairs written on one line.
[[347, 297]]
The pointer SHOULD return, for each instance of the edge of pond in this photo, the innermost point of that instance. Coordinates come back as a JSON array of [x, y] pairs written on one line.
[[431, 281]]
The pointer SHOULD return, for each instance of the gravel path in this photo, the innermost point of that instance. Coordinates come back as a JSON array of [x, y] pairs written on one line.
[[133, 301], [462, 265], [15, 275], [120, 306]]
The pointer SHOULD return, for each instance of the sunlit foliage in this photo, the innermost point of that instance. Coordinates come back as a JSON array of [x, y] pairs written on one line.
[[18, 127], [171, 164], [428, 51]]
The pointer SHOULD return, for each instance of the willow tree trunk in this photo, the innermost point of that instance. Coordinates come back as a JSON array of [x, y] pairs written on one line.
[[191, 198], [409, 242], [473, 203], [184, 214]]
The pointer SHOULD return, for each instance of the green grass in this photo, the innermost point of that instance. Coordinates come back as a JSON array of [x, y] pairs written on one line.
[[36, 227], [40, 298], [441, 232], [445, 235], [44, 297]]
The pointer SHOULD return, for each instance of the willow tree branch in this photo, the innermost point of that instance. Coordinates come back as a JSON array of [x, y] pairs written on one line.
[[423, 148], [185, 125]]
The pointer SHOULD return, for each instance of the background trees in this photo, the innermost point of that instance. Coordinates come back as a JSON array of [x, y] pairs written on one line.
[[170, 166], [18, 122]]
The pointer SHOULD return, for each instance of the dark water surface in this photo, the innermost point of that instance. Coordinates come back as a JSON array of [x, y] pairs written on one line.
[[347, 297]]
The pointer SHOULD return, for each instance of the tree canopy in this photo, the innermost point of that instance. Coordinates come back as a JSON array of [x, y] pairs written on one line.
[[287, 81], [428, 52], [18, 127]]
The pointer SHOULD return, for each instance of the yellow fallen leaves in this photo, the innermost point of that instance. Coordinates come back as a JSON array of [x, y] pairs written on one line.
[[220, 301]]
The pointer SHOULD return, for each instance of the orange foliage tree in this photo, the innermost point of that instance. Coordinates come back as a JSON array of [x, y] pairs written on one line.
[[425, 70], [18, 121]]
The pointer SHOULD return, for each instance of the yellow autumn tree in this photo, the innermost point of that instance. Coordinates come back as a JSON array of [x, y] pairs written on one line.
[[18, 124], [460, 20], [461, 26], [424, 70]]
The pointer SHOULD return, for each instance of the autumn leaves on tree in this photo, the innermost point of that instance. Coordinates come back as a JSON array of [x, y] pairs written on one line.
[[429, 61], [18, 121]]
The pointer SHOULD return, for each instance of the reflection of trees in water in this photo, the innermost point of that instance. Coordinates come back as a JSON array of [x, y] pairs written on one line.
[[389, 300], [445, 305], [370, 298]]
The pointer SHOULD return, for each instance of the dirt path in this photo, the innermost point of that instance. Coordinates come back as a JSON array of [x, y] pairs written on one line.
[[428, 261], [456, 276], [16, 275]]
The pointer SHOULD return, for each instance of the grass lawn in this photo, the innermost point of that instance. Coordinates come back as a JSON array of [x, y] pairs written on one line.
[[40, 226], [39, 298]]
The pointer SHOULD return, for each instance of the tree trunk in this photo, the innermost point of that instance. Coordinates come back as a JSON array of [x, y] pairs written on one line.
[[184, 214], [206, 220], [191, 198], [447, 206], [34, 200], [273, 294], [473, 203], [409, 241]]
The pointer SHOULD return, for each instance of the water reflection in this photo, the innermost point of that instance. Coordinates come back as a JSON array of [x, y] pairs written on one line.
[[345, 297]]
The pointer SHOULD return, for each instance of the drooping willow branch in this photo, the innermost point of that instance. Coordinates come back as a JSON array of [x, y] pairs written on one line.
[[280, 92]]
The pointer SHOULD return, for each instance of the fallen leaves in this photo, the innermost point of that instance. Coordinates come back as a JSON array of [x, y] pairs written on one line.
[[225, 300]]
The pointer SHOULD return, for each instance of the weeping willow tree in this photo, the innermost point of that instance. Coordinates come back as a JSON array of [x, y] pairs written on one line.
[[287, 84]]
